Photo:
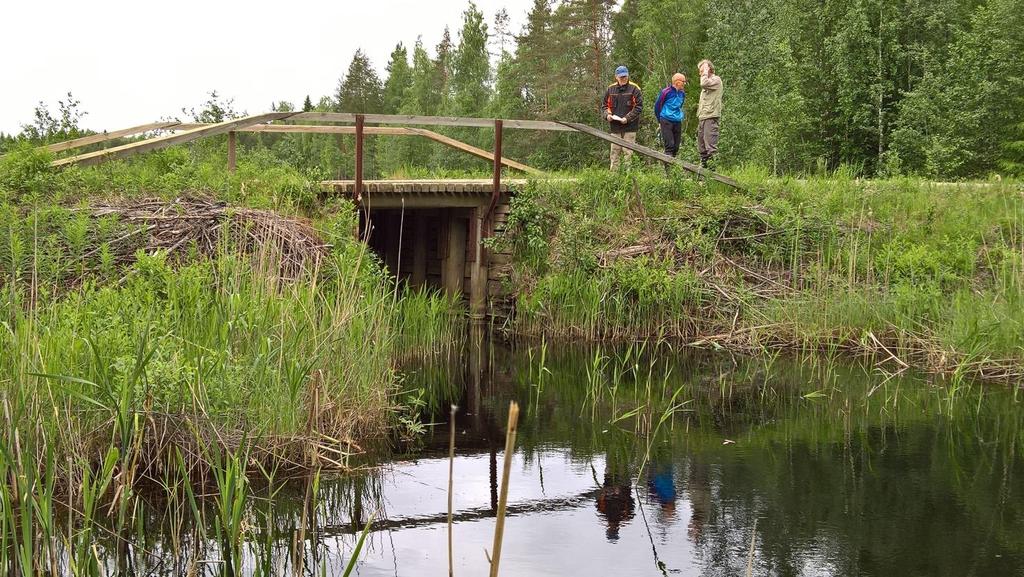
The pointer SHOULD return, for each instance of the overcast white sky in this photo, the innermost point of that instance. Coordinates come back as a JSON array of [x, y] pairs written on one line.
[[131, 62]]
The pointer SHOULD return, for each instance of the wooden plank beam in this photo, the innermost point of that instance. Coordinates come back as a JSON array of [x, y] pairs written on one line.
[[168, 140], [105, 136], [328, 129], [696, 169], [375, 199], [459, 145], [388, 131], [347, 117]]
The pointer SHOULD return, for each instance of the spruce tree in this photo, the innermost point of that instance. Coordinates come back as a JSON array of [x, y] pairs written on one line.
[[422, 97], [443, 68], [359, 90], [471, 67], [469, 84], [394, 151], [532, 66], [398, 81]]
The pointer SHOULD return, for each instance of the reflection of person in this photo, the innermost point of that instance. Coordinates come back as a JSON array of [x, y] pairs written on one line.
[[709, 111], [615, 502], [668, 110], [661, 486], [698, 489], [623, 102]]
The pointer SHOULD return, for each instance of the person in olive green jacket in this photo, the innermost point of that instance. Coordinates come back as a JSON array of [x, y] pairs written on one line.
[[709, 111]]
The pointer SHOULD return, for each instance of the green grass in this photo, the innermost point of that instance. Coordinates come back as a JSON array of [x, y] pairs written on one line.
[[935, 270], [124, 371]]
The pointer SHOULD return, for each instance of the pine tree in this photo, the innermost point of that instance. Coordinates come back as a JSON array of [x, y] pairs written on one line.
[[502, 35], [307, 105]]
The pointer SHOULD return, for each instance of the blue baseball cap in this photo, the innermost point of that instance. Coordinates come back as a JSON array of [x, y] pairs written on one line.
[[621, 71]]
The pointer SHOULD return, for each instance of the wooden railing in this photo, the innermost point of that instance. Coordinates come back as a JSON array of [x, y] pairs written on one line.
[[187, 132]]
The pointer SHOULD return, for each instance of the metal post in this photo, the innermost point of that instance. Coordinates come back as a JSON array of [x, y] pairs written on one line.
[[231, 151], [496, 192], [357, 192]]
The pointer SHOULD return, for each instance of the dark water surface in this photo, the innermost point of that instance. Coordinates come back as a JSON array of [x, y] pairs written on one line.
[[644, 462]]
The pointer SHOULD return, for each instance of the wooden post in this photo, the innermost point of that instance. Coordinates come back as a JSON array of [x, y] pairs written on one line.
[[357, 192], [419, 248], [478, 268], [455, 259], [231, 151]]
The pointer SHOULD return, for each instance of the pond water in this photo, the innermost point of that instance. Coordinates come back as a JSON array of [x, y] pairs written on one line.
[[644, 460], [636, 461]]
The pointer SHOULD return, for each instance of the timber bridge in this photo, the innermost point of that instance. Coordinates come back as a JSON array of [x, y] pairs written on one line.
[[428, 232]]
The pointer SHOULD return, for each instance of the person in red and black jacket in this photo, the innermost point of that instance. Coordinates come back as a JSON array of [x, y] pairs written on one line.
[[623, 103]]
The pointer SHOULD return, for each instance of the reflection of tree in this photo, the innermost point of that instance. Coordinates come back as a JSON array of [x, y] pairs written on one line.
[[698, 490]]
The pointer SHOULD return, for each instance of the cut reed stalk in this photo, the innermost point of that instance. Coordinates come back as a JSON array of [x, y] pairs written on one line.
[[499, 525], [451, 489]]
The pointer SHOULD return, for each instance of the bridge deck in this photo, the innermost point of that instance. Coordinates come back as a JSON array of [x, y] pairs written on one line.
[[465, 192], [471, 186]]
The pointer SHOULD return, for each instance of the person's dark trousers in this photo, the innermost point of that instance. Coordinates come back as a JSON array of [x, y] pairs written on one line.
[[707, 139], [671, 134]]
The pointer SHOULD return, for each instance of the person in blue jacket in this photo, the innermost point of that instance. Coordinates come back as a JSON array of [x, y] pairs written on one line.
[[668, 109]]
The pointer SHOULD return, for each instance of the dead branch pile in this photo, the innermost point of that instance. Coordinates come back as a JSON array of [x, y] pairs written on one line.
[[189, 227]]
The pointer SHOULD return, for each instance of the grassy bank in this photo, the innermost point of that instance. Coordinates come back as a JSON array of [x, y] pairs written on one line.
[[167, 325], [920, 273]]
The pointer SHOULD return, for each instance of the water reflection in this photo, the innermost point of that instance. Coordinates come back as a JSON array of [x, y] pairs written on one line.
[[615, 500], [635, 461], [849, 471]]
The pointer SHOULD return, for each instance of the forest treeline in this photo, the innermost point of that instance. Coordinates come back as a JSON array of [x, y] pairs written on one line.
[[879, 87]]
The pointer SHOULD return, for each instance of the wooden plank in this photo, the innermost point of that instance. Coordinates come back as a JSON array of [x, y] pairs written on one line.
[[431, 120], [652, 153], [168, 140], [422, 200], [317, 129], [105, 136], [459, 145], [183, 126]]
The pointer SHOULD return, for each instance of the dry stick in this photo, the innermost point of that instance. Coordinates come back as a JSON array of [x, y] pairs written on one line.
[[451, 482], [884, 348], [750, 553], [499, 527]]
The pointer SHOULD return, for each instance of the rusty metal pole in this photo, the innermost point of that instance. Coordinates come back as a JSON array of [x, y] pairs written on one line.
[[357, 192], [496, 191], [231, 151]]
